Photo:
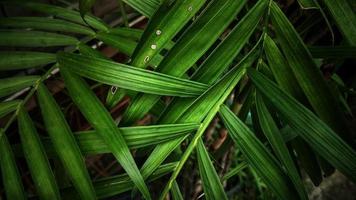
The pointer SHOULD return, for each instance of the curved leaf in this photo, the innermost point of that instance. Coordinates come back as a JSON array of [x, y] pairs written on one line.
[[61, 136], [36, 158], [211, 181], [308, 75], [258, 156], [193, 43], [10, 174], [276, 140], [164, 25], [128, 77], [100, 119], [314, 131]]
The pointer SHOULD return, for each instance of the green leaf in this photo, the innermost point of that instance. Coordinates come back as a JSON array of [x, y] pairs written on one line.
[[194, 42], [46, 24], [307, 74], [221, 58], [36, 158], [314, 131], [257, 156], [122, 43], [176, 194], [10, 174], [85, 6], [344, 17], [128, 77], [105, 126], [12, 85], [136, 137], [13, 60], [281, 70], [14, 38], [61, 136], [235, 171], [8, 107], [163, 26], [274, 136], [199, 36], [211, 181], [197, 111], [88, 51], [286, 80], [168, 20], [60, 12], [146, 7], [122, 183], [114, 185], [132, 33]]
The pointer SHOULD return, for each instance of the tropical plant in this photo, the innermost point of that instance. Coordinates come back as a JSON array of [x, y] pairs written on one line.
[[198, 67]]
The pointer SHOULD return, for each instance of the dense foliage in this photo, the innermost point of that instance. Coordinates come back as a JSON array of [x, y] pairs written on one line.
[[217, 93]]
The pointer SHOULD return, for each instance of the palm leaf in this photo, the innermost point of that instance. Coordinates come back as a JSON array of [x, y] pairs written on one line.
[[176, 194], [60, 12], [105, 126], [8, 107], [220, 59], [146, 7], [12, 85], [197, 112], [36, 158], [13, 60], [257, 155], [314, 131], [276, 140], [308, 75], [10, 174], [344, 17], [15, 38], [46, 24], [129, 77], [189, 48], [211, 181], [61, 136]]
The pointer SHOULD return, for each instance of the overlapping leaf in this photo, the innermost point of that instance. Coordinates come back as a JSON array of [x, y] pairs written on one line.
[[129, 77], [314, 131], [211, 181], [258, 156], [36, 158], [276, 140], [197, 111], [220, 59], [10, 174], [61, 136], [344, 17], [193, 43], [104, 125], [307, 74]]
